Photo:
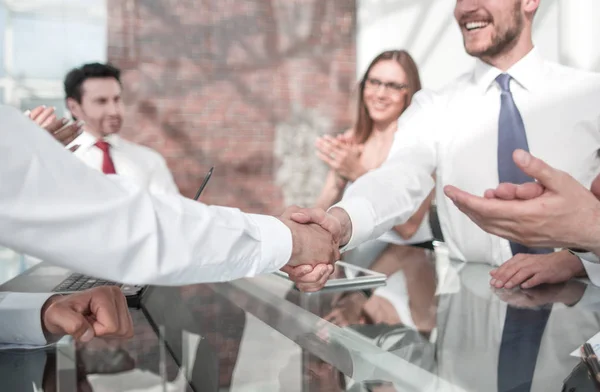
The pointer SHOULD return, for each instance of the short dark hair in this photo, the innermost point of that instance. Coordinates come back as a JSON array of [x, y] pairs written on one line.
[[75, 78]]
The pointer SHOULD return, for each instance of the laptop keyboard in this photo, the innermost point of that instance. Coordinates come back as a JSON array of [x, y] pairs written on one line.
[[79, 282]]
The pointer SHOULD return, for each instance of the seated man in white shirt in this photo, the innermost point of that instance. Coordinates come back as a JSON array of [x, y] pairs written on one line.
[[555, 211], [38, 319], [93, 95], [466, 134]]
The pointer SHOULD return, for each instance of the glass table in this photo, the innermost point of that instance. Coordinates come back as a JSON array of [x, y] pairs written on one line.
[[436, 326]]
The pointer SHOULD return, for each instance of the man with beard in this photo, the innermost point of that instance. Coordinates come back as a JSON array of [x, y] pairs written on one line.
[[467, 132], [93, 94]]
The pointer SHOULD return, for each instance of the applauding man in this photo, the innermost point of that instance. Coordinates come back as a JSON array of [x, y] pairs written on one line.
[[467, 132]]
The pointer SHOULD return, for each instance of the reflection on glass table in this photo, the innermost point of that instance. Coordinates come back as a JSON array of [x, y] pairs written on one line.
[[436, 326], [13, 263]]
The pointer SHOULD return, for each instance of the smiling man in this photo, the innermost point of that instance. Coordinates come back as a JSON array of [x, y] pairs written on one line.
[[466, 134], [94, 96]]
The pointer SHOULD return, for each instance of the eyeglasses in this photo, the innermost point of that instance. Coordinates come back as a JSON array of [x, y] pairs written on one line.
[[394, 88]]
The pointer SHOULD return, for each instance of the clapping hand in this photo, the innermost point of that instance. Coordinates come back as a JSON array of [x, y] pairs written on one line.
[[59, 128], [342, 155], [549, 213]]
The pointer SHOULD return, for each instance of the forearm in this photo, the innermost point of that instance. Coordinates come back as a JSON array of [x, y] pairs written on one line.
[[378, 201], [332, 191], [156, 240], [55, 208], [391, 194]]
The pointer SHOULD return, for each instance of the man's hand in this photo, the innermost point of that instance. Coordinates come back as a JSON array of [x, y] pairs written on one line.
[[508, 191], [315, 247], [558, 213], [568, 293], [316, 238], [529, 270], [338, 223], [101, 311], [59, 128], [530, 190], [348, 310]]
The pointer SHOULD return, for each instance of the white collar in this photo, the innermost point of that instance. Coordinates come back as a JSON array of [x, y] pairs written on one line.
[[527, 72], [86, 140]]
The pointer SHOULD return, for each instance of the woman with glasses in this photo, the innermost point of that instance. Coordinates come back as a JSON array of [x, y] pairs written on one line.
[[385, 91]]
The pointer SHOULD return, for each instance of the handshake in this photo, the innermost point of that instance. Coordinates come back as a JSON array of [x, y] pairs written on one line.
[[317, 236]]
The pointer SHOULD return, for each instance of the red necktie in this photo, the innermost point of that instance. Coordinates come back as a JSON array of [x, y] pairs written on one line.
[[108, 167]]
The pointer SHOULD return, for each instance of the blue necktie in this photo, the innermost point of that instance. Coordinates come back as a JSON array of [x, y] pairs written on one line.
[[512, 136], [523, 328]]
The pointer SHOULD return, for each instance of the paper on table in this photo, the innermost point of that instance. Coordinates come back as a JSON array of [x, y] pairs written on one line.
[[594, 342], [11, 346]]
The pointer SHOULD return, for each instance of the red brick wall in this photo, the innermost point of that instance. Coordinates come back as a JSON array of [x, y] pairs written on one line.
[[208, 81]]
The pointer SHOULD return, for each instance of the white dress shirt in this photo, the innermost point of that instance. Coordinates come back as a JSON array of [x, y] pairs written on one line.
[[144, 166], [454, 133], [57, 209]]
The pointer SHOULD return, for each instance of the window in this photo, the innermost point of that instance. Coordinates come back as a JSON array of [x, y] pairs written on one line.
[[40, 41]]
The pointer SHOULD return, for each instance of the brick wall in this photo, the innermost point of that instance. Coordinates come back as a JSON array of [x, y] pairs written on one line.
[[244, 85]]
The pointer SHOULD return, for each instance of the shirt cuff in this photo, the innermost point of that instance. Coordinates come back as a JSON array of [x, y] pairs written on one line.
[[276, 242], [590, 298], [592, 267], [362, 217], [21, 319]]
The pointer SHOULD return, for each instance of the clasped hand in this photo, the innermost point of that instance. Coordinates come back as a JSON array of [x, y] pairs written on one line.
[[316, 237]]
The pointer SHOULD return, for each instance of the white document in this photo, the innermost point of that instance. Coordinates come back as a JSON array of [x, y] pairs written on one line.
[[595, 343]]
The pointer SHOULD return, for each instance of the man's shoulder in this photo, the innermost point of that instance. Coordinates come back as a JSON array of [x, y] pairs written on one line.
[[570, 74], [445, 93], [142, 151]]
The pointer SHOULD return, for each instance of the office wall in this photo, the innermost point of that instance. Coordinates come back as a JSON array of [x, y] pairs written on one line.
[[245, 86]]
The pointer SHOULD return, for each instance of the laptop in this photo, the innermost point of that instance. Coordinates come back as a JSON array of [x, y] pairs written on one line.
[[47, 278]]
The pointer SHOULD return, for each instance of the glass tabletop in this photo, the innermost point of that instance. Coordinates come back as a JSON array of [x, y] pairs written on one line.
[[437, 325]]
